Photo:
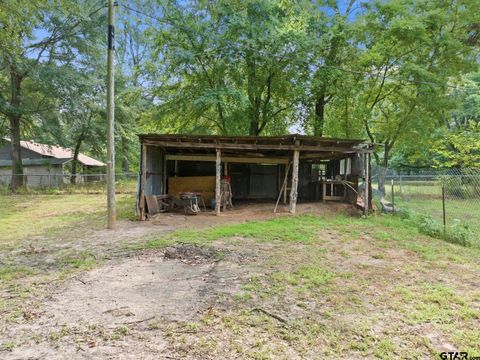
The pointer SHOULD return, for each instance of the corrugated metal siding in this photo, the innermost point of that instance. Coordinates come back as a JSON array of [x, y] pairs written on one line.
[[240, 180], [306, 188], [263, 181], [154, 171]]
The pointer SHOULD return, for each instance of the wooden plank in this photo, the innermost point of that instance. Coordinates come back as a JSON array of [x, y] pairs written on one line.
[[205, 185], [283, 188], [218, 170], [152, 204], [196, 145], [294, 189], [230, 159]]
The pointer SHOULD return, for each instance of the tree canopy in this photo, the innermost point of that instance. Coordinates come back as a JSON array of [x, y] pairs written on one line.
[[399, 73]]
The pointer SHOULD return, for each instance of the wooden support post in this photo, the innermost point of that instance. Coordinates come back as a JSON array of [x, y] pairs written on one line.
[[218, 170], [287, 168], [143, 182], [294, 189], [367, 184]]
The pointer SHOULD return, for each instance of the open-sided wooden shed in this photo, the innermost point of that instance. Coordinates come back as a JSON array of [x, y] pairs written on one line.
[[314, 168]]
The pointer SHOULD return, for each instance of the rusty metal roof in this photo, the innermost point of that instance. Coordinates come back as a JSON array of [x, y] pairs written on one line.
[[57, 152], [257, 144], [248, 139]]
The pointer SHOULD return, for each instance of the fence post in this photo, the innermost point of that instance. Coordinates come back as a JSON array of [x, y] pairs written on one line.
[[400, 185], [444, 214], [393, 198]]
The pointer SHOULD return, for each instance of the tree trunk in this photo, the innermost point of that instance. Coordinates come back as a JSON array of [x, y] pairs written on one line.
[[14, 119], [73, 178], [319, 114], [381, 180], [253, 98], [382, 168]]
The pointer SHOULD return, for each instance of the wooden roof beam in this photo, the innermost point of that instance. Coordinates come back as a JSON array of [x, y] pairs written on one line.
[[319, 148]]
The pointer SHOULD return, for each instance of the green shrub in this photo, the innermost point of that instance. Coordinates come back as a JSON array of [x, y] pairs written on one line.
[[406, 214], [459, 233], [429, 226]]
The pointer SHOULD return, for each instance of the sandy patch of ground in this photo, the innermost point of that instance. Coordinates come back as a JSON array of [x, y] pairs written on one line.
[[91, 316]]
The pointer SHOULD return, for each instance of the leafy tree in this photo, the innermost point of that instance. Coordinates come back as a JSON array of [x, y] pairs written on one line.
[[34, 36], [414, 50], [330, 32], [229, 66], [457, 144]]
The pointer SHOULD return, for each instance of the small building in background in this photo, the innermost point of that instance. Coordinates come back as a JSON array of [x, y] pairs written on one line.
[[48, 165]]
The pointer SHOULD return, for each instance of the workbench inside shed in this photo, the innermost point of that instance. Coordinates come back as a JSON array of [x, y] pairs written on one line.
[[290, 167]]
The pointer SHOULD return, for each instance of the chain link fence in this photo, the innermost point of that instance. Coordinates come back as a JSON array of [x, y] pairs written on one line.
[[443, 204], [67, 183]]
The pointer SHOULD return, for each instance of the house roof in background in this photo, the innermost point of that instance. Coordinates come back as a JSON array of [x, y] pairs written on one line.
[[57, 152]]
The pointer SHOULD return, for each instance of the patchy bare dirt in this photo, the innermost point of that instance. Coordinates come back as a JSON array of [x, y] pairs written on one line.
[[91, 316], [44, 252], [358, 292]]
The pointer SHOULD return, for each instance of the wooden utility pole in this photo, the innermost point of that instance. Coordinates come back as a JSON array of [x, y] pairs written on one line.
[[111, 117]]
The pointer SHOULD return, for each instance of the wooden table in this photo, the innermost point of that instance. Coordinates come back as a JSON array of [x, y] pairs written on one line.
[[331, 183]]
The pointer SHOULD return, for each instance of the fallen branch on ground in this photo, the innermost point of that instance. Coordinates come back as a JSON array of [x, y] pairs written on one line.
[[279, 318], [137, 321]]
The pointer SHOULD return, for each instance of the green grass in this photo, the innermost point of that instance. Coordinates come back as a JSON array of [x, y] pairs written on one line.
[[358, 287], [9, 273], [85, 260], [338, 301], [426, 198], [122, 186], [302, 229], [26, 216]]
